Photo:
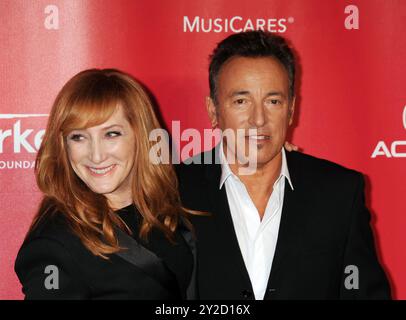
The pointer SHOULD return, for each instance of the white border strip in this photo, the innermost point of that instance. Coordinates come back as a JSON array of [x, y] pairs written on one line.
[[404, 117], [21, 115]]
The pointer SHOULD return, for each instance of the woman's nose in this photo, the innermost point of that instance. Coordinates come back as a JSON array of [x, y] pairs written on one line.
[[97, 154]]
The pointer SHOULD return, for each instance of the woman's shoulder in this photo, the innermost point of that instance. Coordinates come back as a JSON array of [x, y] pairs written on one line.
[[51, 235], [50, 243], [54, 226], [49, 251]]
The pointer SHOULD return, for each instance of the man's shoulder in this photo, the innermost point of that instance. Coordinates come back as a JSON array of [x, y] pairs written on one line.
[[300, 165], [310, 166], [197, 176], [197, 165]]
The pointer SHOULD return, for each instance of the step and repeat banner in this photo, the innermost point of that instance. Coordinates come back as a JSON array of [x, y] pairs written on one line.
[[351, 104]]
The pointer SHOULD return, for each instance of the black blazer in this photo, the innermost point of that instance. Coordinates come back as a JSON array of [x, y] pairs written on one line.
[[324, 228], [136, 273]]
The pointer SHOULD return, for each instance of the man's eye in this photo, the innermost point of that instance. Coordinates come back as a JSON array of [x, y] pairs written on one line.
[[274, 101], [76, 137], [112, 134], [240, 101]]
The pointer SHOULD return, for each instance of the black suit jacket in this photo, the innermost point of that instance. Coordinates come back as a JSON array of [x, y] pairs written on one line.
[[324, 228], [136, 273]]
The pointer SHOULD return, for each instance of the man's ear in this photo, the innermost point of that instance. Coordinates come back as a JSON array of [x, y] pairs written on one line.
[[211, 111], [291, 110]]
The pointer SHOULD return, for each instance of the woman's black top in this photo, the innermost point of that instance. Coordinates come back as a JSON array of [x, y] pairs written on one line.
[[54, 264]]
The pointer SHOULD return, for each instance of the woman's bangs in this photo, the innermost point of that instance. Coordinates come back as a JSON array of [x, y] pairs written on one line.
[[89, 113]]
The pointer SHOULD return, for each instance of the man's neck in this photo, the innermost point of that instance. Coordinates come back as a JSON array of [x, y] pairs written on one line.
[[260, 184], [264, 175]]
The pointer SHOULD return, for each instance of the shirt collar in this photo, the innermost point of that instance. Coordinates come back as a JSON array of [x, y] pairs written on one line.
[[225, 168], [226, 171]]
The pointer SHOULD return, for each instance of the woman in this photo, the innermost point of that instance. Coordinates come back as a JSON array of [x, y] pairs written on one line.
[[110, 225]]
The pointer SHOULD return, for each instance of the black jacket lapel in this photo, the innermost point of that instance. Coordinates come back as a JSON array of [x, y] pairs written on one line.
[[146, 260], [290, 229], [225, 228], [191, 291]]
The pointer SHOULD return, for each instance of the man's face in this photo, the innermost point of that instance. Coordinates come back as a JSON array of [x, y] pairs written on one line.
[[252, 93]]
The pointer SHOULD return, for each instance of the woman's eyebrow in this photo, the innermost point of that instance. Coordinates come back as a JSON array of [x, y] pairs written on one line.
[[111, 126]]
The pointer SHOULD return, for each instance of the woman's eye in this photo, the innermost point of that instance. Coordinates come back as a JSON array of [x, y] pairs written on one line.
[[112, 134], [76, 137]]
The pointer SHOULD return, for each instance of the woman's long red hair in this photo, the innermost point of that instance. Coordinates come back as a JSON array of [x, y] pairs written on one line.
[[87, 100]]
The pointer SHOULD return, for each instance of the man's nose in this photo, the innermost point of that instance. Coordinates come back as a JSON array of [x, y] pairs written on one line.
[[97, 152], [257, 116]]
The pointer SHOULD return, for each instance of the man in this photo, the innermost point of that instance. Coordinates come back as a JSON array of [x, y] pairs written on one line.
[[297, 228]]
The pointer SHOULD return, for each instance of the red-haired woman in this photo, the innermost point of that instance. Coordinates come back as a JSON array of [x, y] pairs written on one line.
[[110, 225]]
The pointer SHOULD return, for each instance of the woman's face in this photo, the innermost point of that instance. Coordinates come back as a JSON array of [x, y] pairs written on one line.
[[103, 158]]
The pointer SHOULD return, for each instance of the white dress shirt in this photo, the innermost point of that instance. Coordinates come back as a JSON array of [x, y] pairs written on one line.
[[257, 239]]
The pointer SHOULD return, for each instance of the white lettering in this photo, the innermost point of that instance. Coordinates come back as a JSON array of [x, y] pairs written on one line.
[[159, 153], [381, 150], [352, 20], [187, 25], [249, 26], [271, 25], [404, 117], [261, 24], [217, 25], [194, 145], [20, 139], [3, 136], [52, 20], [395, 152], [17, 164], [38, 139], [351, 282], [232, 24], [208, 27], [52, 281], [282, 25]]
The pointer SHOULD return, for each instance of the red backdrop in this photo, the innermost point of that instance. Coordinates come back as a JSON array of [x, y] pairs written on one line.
[[351, 102]]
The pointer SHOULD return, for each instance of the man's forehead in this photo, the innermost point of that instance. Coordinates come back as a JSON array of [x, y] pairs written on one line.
[[247, 70], [251, 62], [258, 90]]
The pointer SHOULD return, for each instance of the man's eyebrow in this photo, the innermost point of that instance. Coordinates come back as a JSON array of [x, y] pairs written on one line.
[[239, 93], [275, 93], [245, 92]]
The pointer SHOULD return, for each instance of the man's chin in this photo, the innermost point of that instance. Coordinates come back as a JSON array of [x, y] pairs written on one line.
[[263, 158]]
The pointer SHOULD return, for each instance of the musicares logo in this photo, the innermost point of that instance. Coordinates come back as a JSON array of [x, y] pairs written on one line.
[[382, 149], [235, 24]]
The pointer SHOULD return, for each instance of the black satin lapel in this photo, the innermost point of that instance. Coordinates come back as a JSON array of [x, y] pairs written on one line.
[[191, 291], [146, 260]]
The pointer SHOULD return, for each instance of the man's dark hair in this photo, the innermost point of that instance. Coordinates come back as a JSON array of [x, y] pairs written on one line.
[[252, 44]]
